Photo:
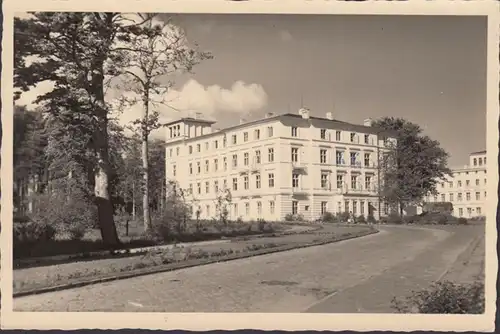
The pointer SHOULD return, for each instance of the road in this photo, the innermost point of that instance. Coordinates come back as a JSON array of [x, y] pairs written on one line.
[[358, 275]]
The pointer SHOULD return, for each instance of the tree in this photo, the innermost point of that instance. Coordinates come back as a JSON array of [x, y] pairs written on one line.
[[75, 51], [413, 167], [154, 52], [223, 205]]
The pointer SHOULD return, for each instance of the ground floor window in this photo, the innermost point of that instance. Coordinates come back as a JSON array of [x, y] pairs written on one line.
[[354, 207], [271, 207], [478, 210], [235, 209], [247, 208], [469, 211], [362, 207], [460, 212], [259, 208], [346, 206], [295, 207], [323, 207], [339, 207]]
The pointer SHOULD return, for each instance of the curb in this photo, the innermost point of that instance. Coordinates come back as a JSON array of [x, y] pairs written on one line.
[[185, 265]]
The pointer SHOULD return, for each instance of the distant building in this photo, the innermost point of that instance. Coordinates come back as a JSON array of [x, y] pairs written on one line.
[[466, 188], [278, 165]]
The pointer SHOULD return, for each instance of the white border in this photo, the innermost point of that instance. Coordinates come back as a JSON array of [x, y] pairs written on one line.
[[266, 321]]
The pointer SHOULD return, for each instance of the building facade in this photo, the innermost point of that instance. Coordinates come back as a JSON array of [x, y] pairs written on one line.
[[278, 165], [466, 188]]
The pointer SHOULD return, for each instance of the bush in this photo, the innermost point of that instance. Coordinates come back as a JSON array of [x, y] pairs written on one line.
[[439, 218], [31, 232], [444, 298], [294, 218], [361, 219], [329, 217], [394, 218], [262, 224], [371, 219], [343, 216], [462, 221]]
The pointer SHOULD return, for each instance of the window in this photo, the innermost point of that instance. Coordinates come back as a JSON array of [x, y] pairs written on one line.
[[270, 131], [216, 164], [460, 212], [478, 210], [295, 180], [368, 182], [235, 184], [171, 152], [353, 137], [478, 196], [354, 207], [354, 182], [198, 147], [225, 163], [324, 180], [450, 184], [199, 187], [216, 186], [459, 183], [295, 207], [256, 134], [480, 161], [235, 209], [484, 181], [190, 188], [207, 187], [224, 141], [339, 157], [225, 184], [485, 194], [469, 211], [206, 146], [367, 159], [174, 170], [270, 154], [235, 160], [346, 206], [208, 209], [467, 183], [467, 196], [257, 157], [442, 184], [247, 208], [198, 167], [459, 197], [475, 162], [295, 154], [367, 139], [245, 159], [340, 181], [435, 198], [233, 139], [177, 151], [322, 156], [443, 198], [353, 156], [451, 198], [485, 160], [362, 207], [271, 207], [477, 182], [271, 180], [339, 206], [337, 135], [216, 144], [323, 207], [190, 169], [190, 149], [245, 136], [294, 131], [259, 208], [257, 181], [323, 133], [207, 164], [245, 182]]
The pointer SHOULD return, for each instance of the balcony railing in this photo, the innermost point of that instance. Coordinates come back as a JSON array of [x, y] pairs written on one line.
[[298, 165]]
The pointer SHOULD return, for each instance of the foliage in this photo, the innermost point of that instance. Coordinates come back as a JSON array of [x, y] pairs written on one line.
[[413, 167], [329, 217], [343, 216], [32, 232], [361, 219], [371, 220], [223, 202], [294, 218], [444, 298], [462, 221]]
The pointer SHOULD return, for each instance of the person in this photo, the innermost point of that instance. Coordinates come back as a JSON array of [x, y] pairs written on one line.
[[350, 220]]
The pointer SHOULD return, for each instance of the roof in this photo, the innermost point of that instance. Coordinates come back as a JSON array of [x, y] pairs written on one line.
[[478, 152], [190, 119]]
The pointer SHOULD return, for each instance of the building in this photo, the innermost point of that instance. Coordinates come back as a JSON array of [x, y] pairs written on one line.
[[278, 165], [466, 188]]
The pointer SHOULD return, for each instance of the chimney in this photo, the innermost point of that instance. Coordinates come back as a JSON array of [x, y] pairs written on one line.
[[242, 120], [269, 114], [304, 112], [368, 122], [329, 115]]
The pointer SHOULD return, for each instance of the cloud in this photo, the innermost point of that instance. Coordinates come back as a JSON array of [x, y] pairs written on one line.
[[285, 35]]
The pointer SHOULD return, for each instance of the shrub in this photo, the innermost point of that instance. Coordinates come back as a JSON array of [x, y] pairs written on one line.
[[444, 298], [329, 217], [462, 221], [343, 216], [413, 219], [371, 219], [31, 232], [262, 224], [439, 218], [294, 218], [394, 218], [361, 219]]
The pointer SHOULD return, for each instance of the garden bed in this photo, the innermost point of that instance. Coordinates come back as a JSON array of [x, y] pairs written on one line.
[[56, 277]]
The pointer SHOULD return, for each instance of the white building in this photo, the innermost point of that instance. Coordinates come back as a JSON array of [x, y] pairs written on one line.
[[466, 188], [281, 164]]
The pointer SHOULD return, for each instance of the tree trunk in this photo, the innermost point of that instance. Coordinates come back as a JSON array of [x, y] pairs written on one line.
[[133, 200], [145, 160]]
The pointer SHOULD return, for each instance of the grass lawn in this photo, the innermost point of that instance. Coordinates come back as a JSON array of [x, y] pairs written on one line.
[[40, 277]]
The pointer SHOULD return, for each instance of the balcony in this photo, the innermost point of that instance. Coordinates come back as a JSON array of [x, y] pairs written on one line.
[[296, 165], [251, 168], [299, 191]]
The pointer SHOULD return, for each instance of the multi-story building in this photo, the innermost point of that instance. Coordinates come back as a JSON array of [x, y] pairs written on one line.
[[278, 165], [466, 188]]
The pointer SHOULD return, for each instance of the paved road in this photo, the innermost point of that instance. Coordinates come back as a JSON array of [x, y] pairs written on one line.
[[358, 275]]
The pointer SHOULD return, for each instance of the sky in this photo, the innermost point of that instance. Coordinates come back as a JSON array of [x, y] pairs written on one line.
[[430, 70]]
